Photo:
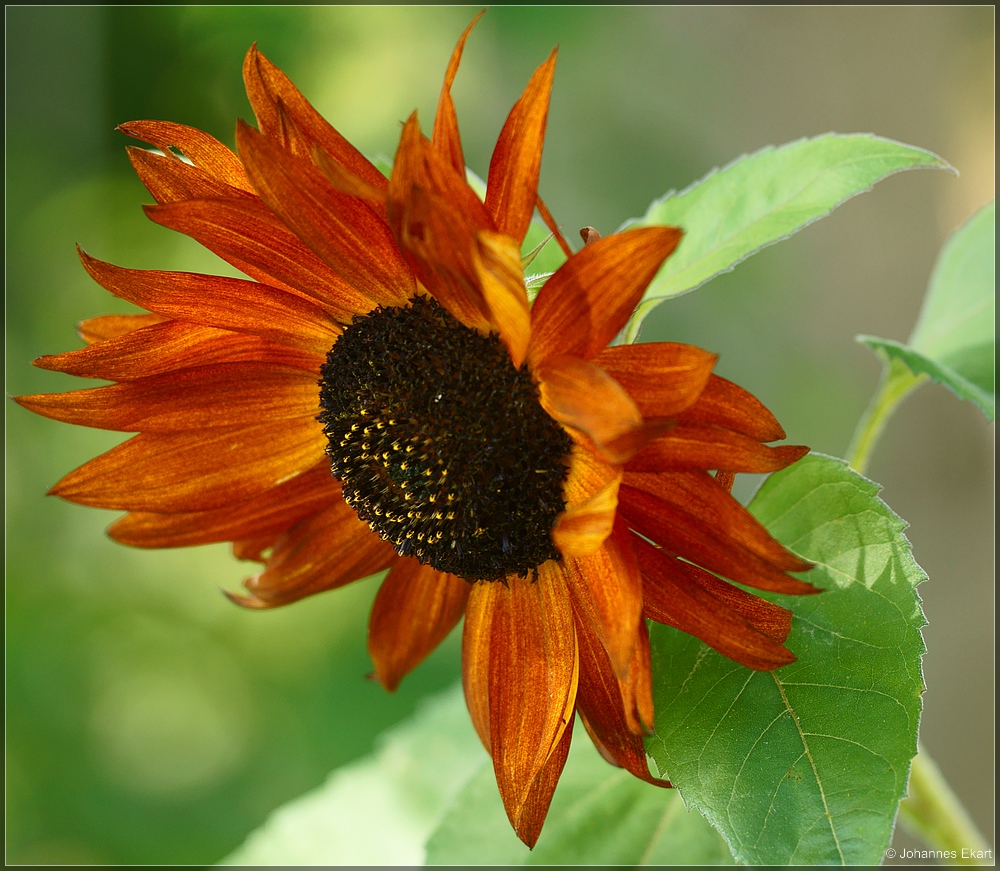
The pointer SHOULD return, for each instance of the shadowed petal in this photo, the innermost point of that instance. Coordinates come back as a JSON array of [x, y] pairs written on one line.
[[166, 346], [663, 378], [415, 609], [581, 308], [702, 447], [498, 265], [673, 597], [227, 303], [266, 515], [271, 92], [476, 640], [340, 229], [528, 823], [726, 405], [169, 179], [195, 471], [512, 184], [591, 493], [322, 552], [533, 673]]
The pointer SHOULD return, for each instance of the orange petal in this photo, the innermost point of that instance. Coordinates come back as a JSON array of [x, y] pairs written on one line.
[[726, 405], [445, 136], [227, 303], [528, 824], [477, 634], [580, 395], [703, 447], [610, 581], [225, 394], [593, 294], [498, 266], [247, 235], [673, 597], [322, 552], [415, 609], [512, 183], [688, 516], [591, 493], [204, 151], [169, 179], [165, 346], [197, 470], [663, 378], [340, 229], [271, 93], [264, 516], [112, 326], [533, 673]]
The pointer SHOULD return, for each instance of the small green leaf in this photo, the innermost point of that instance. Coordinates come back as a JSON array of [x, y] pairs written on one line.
[[764, 197], [955, 338], [599, 815], [806, 764], [381, 809]]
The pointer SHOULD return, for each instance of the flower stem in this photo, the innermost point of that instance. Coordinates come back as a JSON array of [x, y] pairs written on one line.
[[931, 810], [896, 384]]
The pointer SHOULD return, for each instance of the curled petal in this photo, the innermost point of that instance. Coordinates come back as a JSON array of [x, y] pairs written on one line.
[[583, 396], [445, 136], [415, 609], [528, 823], [675, 598], [265, 516], [581, 308], [169, 179], [663, 378], [322, 552], [477, 635], [512, 183], [591, 493], [533, 674], [728, 406], [498, 265]]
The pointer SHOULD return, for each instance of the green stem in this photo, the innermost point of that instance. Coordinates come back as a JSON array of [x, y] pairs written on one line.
[[931, 810], [896, 384]]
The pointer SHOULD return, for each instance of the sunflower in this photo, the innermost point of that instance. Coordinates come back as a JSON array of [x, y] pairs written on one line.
[[378, 394]]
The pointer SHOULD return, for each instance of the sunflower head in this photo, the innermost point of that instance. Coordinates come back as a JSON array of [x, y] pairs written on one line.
[[378, 394]]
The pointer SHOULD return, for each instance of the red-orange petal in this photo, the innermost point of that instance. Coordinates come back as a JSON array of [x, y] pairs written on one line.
[[264, 516], [272, 93], [726, 405], [204, 151], [225, 394], [663, 378], [248, 235], [533, 674], [197, 470], [477, 634], [684, 512], [340, 229], [325, 551], [415, 609], [227, 303], [528, 823], [169, 179], [169, 345], [512, 183], [703, 447], [583, 396], [445, 136], [673, 597], [582, 307], [498, 266], [591, 494]]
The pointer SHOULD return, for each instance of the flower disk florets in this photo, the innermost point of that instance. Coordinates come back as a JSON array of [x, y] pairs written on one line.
[[440, 444]]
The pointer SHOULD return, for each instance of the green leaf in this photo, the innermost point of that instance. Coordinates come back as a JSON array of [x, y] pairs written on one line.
[[381, 809], [764, 197], [807, 764], [955, 338], [599, 815]]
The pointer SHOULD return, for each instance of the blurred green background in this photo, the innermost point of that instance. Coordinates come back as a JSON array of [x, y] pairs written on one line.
[[150, 721]]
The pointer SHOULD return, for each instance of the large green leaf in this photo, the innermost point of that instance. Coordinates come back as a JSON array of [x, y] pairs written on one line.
[[954, 340], [600, 815], [381, 809], [764, 197], [806, 764]]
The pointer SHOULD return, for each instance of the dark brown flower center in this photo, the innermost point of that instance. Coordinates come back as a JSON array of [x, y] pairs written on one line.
[[440, 444]]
